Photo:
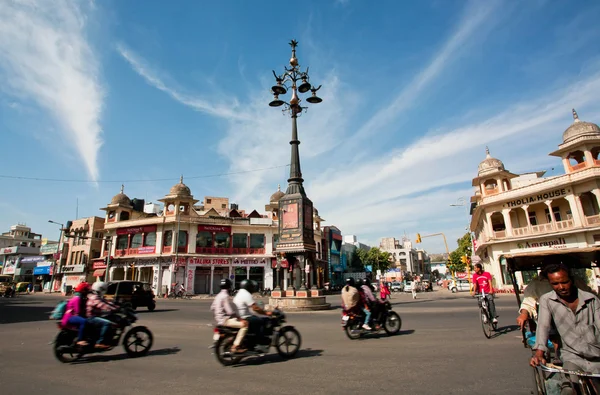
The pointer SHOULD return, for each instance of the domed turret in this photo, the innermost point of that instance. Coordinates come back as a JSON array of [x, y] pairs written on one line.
[[277, 195], [180, 189], [489, 164], [121, 198], [579, 129]]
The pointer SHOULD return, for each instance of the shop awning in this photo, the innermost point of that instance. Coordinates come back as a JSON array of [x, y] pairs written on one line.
[[99, 272], [39, 270], [573, 257]]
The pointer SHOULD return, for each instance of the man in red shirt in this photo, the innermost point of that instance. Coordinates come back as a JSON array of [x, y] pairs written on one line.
[[483, 283]]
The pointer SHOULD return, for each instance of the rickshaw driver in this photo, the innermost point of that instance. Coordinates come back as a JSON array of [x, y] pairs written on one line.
[[576, 316]]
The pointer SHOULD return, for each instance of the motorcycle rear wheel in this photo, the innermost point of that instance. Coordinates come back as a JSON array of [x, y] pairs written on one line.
[[222, 351], [353, 330], [288, 343], [137, 342]]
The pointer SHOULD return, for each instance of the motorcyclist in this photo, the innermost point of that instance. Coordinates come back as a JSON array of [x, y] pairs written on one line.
[[246, 305], [350, 297], [95, 307], [226, 314], [74, 315], [370, 299]]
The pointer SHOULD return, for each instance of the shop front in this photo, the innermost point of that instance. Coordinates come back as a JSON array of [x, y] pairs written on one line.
[[72, 275], [42, 274], [203, 275]]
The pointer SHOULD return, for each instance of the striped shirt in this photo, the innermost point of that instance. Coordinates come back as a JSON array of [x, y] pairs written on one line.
[[579, 330]]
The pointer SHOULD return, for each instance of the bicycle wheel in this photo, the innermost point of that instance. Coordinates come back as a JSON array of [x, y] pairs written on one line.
[[486, 323]]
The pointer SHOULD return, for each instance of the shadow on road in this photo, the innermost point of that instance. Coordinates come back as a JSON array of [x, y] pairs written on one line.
[[107, 358], [504, 330], [380, 335], [275, 358], [146, 311], [15, 310]]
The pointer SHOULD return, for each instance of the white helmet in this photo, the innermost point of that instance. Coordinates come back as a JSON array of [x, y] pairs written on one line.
[[100, 287]]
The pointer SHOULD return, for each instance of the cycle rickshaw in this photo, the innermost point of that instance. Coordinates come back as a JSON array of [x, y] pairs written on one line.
[[548, 379]]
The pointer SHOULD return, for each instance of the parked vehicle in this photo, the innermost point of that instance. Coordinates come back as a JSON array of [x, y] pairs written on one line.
[[389, 320], [460, 285], [285, 339], [5, 283], [407, 286], [397, 286], [135, 293], [136, 342]]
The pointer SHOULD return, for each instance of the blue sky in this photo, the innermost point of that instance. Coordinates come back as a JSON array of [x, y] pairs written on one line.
[[413, 92]]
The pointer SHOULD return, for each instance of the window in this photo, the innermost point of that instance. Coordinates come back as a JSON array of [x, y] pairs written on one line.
[[204, 239], [122, 242], [150, 239], [111, 214], [223, 205], [137, 240], [555, 211], [208, 201], [532, 218], [240, 240], [257, 241], [168, 238], [124, 216], [182, 242], [222, 240]]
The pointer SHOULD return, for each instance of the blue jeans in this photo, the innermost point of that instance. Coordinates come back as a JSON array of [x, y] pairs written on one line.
[[103, 323], [367, 315], [79, 322]]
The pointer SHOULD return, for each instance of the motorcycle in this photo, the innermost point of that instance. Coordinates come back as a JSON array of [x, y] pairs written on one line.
[[389, 321], [286, 340], [136, 342]]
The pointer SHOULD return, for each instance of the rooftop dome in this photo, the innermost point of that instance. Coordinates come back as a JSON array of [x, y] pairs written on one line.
[[489, 164], [277, 195], [121, 198], [180, 189], [580, 128]]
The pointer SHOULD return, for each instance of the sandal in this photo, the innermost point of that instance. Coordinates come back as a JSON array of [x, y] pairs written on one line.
[[238, 350], [82, 343]]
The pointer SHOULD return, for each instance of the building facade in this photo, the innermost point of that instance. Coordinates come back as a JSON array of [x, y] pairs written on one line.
[[185, 243], [404, 256], [531, 216]]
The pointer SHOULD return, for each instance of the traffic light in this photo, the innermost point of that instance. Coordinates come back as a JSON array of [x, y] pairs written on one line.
[[418, 238], [463, 259]]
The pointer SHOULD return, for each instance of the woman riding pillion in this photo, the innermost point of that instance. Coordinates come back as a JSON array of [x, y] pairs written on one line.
[[97, 306], [353, 301]]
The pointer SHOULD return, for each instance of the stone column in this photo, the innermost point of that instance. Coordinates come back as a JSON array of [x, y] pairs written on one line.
[[192, 234], [212, 276], [589, 159], [127, 268], [576, 209], [553, 220], [488, 225], [507, 221], [596, 193], [248, 272], [111, 272], [526, 209], [566, 165]]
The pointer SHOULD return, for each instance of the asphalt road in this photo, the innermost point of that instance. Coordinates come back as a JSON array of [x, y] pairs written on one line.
[[441, 350]]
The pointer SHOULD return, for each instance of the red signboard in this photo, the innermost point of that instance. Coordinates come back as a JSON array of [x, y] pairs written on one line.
[[146, 250], [461, 275], [335, 236], [290, 216], [136, 229], [100, 264], [214, 228]]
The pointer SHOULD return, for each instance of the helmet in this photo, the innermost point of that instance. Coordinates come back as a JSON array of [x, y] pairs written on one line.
[[249, 285], [100, 287], [82, 288], [364, 281], [225, 284], [350, 281]]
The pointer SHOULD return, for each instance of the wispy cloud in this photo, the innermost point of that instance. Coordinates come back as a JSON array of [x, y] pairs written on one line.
[[46, 58], [475, 17], [195, 101]]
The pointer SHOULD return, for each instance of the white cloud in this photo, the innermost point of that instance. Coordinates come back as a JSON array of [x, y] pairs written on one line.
[[152, 77], [46, 58]]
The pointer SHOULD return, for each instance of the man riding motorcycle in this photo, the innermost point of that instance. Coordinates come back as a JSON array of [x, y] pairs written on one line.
[[96, 305], [226, 315], [246, 305], [371, 301]]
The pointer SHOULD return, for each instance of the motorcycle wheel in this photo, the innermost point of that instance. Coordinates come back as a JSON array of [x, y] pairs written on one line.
[[152, 306], [392, 323], [288, 342], [63, 350], [137, 342], [222, 351], [353, 330]]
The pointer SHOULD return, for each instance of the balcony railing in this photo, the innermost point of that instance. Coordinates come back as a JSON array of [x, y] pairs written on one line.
[[136, 251], [545, 228], [230, 251], [593, 220], [566, 224], [167, 249], [500, 234], [524, 231], [579, 166], [542, 228]]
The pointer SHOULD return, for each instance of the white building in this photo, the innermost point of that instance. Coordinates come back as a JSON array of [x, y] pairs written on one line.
[[405, 257], [528, 217]]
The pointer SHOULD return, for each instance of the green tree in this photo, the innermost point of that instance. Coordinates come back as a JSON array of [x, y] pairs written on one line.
[[356, 263], [377, 259], [455, 263]]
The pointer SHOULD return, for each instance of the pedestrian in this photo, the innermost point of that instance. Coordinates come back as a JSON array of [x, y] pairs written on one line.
[[414, 286], [384, 291]]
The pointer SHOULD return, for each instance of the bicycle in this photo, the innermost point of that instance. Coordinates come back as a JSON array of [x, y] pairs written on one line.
[[487, 321]]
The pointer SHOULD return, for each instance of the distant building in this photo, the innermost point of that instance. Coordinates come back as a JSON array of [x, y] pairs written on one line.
[[404, 256]]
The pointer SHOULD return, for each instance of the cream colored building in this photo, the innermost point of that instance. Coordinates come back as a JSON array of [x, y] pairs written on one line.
[[517, 216]]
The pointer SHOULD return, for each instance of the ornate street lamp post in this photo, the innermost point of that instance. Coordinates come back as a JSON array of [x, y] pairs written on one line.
[[296, 209]]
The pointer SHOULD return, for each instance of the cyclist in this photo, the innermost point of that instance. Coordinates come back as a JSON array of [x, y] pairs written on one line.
[[483, 282]]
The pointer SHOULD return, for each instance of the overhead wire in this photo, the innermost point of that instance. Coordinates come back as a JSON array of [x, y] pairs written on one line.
[[12, 177]]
